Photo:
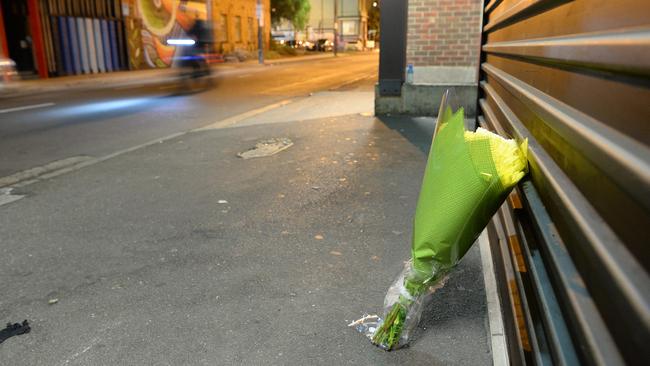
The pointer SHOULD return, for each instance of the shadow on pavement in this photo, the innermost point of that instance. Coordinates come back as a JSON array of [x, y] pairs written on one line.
[[417, 130]]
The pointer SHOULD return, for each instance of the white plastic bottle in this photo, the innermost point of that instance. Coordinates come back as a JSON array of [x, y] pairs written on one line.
[[409, 74]]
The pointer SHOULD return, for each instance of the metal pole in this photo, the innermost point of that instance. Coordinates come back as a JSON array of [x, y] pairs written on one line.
[[208, 12], [392, 54], [336, 27], [260, 32]]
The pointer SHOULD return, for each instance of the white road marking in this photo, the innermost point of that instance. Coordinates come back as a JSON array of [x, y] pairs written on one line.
[[355, 80], [294, 86], [27, 107], [8, 198], [68, 165], [42, 170], [93, 342], [240, 117], [244, 76], [298, 84]]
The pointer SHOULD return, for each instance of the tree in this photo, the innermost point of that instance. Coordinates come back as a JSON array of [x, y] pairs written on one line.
[[295, 11], [373, 18]]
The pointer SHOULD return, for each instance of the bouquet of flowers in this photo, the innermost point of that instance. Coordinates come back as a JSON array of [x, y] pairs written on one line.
[[467, 177]]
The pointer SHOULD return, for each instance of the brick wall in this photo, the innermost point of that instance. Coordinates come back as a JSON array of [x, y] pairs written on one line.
[[443, 32]]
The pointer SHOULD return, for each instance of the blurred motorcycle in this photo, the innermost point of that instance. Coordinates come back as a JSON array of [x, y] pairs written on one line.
[[194, 69], [194, 72]]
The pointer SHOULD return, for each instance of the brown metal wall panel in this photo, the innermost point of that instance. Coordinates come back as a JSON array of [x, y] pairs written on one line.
[[620, 105], [558, 18], [587, 325], [574, 78], [614, 198]]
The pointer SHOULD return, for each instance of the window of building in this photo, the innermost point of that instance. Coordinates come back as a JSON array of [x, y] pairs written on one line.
[[350, 27], [251, 30], [348, 8], [238, 36], [222, 32]]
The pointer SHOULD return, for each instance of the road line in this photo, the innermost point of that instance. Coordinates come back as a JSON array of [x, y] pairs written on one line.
[[294, 86], [495, 319], [36, 172], [93, 342], [240, 117], [27, 107], [354, 81], [298, 84], [9, 198], [69, 165], [90, 162]]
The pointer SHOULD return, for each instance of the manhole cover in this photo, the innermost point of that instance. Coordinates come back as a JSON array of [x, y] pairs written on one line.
[[267, 148]]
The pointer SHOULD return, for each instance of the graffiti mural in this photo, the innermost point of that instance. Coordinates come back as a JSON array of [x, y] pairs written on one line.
[[153, 22]]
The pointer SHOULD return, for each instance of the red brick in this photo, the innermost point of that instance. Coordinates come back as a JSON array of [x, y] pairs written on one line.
[[444, 32]]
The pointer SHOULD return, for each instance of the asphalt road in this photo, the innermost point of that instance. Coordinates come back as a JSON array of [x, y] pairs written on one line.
[[182, 253], [100, 121]]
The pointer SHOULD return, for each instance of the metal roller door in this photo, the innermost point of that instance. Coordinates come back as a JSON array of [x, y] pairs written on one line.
[[83, 36], [572, 244]]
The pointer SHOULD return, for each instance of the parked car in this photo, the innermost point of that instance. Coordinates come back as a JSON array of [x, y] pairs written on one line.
[[7, 69], [322, 45]]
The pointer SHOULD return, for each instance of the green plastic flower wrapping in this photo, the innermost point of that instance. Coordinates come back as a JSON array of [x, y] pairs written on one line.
[[467, 178]]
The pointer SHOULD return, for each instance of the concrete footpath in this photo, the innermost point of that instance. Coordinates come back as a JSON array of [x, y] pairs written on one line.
[[182, 253], [21, 88]]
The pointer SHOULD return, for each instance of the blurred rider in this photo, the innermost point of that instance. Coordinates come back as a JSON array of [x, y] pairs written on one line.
[[201, 34]]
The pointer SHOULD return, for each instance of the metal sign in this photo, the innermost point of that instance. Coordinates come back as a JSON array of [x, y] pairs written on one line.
[[260, 14]]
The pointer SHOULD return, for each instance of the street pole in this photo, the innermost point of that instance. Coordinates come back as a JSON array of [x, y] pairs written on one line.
[[260, 32], [336, 27]]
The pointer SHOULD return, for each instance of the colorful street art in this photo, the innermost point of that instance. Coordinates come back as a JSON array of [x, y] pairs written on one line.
[[153, 22]]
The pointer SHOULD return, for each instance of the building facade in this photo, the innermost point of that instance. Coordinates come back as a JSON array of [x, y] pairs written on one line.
[[351, 17], [64, 37], [72, 37], [443, 36], [442, 48], [236, 24]]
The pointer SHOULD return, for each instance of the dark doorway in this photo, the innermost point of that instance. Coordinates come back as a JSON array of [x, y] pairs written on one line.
[[19, 40]]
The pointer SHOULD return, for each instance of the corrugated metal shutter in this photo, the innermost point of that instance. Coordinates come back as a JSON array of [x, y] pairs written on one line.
[[574, 78], [77, 32]]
